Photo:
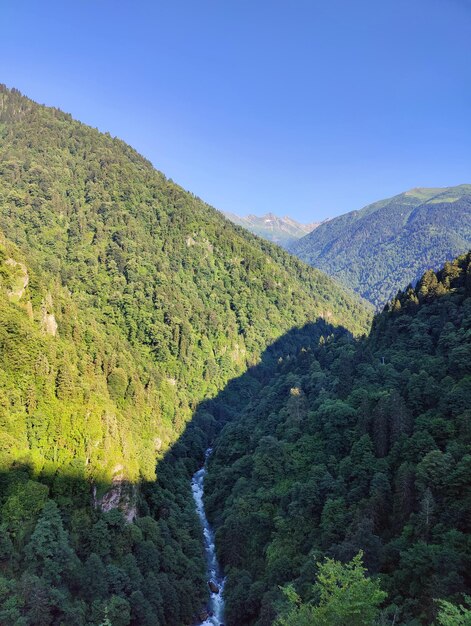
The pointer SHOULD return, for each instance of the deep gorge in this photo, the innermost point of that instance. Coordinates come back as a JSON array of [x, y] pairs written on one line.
[[139, 328]]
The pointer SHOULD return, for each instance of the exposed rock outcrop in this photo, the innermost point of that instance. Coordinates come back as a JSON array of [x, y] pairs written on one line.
[[21, 281], [48, 320], [121, 495], [213, 587]]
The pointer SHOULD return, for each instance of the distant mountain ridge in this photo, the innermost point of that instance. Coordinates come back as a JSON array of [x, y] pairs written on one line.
[[381, 248], [281, 230]]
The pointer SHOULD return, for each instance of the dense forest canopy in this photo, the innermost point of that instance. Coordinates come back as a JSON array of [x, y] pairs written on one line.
[[125, 301], [138, 325], [157, 298], [384, 246], [356, 445]]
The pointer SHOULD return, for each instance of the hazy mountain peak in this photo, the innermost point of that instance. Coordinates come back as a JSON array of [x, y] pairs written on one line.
[[281, 230]]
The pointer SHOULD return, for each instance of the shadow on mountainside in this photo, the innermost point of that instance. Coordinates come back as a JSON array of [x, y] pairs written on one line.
[[65, 560], [187, 454]]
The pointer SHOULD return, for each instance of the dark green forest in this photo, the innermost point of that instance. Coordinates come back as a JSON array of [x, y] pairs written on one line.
[[356, 445], [138, 327], [384, 246], [125, 302]]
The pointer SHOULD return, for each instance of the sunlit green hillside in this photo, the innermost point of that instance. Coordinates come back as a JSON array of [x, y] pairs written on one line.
[[380, 249]]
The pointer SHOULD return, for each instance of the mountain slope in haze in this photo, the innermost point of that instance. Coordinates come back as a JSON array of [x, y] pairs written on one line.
[[380, 249], [125, 301], [356, 445], [281, 230]]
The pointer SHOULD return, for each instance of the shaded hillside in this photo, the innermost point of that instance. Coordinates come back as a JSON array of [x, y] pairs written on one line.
[[356, 445], [64, 561], [125, 301], [281, 230], [380, 249]]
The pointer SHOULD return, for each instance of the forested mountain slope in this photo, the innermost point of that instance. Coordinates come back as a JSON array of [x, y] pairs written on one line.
[[380, 249], [125, 301], [281, 230], [167, 299], [356, 445]]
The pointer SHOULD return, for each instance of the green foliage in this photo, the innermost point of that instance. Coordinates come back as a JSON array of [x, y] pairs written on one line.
[[384, 246], [451, 615], [346, 597], [124, 302], [354, 445], [82, 566], [127, 305], [48, 553], [137, 299]]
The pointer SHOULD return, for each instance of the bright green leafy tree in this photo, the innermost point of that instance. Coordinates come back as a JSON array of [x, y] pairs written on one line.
[[346, 597]]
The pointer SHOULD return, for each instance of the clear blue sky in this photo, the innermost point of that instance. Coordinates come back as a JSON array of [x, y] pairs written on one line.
[[305, 107]]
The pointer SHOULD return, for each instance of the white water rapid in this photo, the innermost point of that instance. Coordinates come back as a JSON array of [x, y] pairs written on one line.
[[216, 600]]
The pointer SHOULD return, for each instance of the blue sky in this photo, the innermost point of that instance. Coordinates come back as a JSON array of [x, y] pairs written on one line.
[[302, 107]]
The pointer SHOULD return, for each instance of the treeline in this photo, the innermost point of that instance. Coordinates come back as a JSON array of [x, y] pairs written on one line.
[[356, 445]]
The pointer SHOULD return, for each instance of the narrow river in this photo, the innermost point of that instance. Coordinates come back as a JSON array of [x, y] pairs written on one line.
[[215, 579]]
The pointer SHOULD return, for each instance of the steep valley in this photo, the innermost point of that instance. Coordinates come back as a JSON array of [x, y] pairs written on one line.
[[355, 445], [139, 328], [126, 302]]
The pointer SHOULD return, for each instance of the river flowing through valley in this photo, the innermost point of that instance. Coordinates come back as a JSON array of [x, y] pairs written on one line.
[[214, 575]]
